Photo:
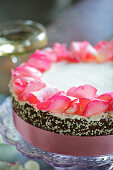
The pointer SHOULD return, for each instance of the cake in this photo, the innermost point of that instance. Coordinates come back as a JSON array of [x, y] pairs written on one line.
[[56, 89]]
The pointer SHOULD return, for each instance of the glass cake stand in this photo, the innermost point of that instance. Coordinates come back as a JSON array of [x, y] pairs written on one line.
[[58, 161]]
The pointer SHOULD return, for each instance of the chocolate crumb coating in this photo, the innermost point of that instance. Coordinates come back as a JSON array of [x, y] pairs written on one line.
[[66, 126]]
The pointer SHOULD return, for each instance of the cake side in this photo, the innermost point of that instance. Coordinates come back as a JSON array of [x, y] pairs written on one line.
[[63, 125]]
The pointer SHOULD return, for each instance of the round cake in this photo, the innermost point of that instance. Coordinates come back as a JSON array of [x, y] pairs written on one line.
[[56, 89]]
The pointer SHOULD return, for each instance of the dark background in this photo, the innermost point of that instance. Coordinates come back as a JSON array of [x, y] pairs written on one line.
[[66, 20], [43, 11]]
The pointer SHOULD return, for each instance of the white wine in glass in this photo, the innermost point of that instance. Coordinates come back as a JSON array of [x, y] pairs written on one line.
[[17, 40]]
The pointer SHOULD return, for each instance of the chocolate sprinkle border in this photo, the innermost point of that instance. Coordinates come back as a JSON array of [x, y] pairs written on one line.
[[65, 126]]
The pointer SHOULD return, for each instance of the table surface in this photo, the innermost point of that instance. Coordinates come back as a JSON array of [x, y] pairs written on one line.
[[85, 20]]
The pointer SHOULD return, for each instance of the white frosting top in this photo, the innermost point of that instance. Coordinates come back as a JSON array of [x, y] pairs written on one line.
[[65, 75]]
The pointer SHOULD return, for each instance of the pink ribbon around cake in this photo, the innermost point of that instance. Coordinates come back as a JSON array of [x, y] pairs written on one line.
[[64, 144]]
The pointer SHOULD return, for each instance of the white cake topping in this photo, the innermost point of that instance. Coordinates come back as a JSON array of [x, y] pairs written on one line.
[[64, 75]]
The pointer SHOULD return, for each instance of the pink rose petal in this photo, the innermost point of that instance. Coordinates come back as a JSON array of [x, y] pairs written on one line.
[[43, 105], [31, 98], [61, 52], [18, 87], [82, 51], [111, 106], [105, 50], [56, 103], [83, 103], [46, 53], [73, 108], [26, 80], [43, 94], [32, 87], [50, 54], [15, 74], [42, 64], [46, 93], [100, 45], [74, 52], [35, 86], [86, 91], [28, 71], [71, 91], [95, 107], [106, 96], [38, 54]]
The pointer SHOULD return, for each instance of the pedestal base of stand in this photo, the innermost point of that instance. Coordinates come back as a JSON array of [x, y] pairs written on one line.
[[65, 168], [104, 167]]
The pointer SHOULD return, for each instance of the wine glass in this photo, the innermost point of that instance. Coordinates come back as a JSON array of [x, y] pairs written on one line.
[[17, 40]]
